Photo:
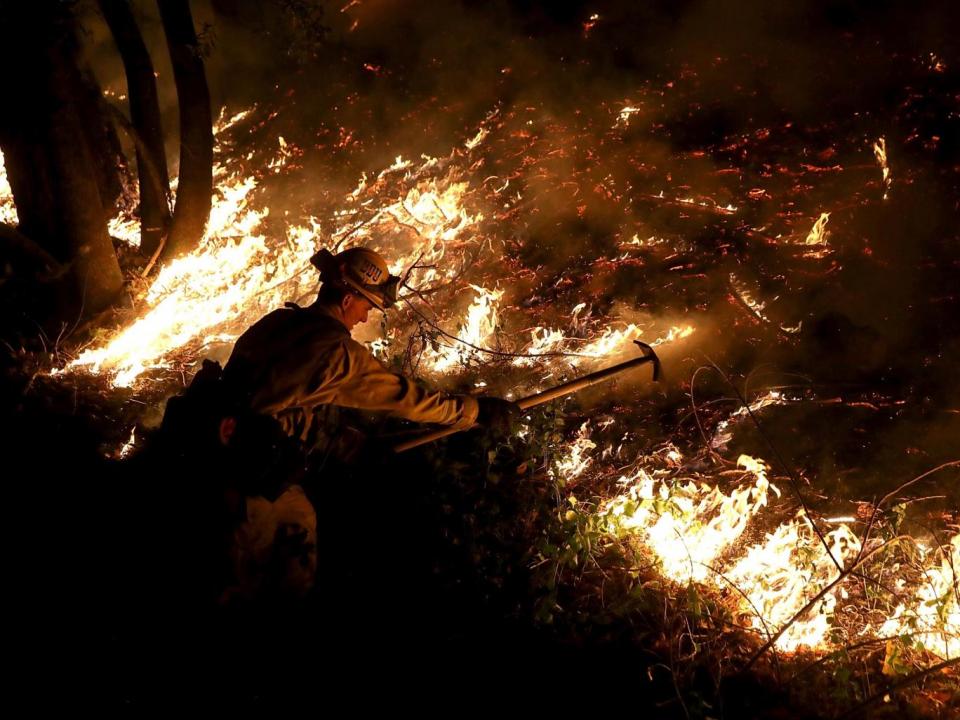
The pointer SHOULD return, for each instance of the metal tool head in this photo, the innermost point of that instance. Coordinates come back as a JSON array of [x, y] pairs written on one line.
[[649, 353]]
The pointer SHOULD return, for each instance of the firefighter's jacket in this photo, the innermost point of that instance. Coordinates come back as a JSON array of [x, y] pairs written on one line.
[[295, 360]]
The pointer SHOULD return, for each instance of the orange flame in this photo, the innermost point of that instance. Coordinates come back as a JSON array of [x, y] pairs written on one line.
[[880, 152], [818, 233], [932, 618], [687, 525], [475, 332], [782, 574]]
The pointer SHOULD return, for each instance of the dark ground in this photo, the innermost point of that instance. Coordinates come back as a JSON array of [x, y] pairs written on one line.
[[113, 598]]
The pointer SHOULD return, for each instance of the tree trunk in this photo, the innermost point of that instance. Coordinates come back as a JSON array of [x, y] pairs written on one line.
[[145, 115], [45, 140], [195, 185], [109, 162]]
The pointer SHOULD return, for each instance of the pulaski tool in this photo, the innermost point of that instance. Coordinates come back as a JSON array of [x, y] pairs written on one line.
[[567, 388]]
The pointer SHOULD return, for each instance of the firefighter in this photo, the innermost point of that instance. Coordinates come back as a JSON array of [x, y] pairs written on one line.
[[285, 371]]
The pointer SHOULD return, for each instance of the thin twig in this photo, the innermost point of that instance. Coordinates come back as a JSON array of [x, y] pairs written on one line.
[[819, 596], [901, 488], [756, 611], [794, 481], [497, 353]]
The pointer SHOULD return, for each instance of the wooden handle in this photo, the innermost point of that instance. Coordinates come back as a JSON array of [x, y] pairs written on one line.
[[530, 401]]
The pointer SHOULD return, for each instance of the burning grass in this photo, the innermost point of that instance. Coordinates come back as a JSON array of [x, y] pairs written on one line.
[[501, 298]]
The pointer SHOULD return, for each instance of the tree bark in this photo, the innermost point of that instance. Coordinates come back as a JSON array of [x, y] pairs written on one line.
[[109, 162], [50, 165], [145, 115], [195, 185], [21, 251]]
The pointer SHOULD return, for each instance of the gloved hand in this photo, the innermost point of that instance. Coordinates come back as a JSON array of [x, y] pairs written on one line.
[[497, 414]]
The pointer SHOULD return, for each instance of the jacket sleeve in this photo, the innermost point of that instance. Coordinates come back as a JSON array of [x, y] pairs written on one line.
[[352, 377]]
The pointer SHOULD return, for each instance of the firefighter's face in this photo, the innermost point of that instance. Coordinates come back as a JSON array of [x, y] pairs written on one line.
[[355, 310]]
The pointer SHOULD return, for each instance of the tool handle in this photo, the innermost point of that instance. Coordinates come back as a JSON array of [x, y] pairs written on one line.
[[581, 383], [533, 400]]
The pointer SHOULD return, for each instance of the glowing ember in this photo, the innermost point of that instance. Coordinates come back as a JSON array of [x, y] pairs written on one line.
[[936, 64], [8, 210], [590, 24], [623, 119], [757, 306], [651, 241]]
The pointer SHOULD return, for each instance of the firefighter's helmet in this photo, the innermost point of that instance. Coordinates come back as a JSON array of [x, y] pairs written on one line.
[[361, 271]]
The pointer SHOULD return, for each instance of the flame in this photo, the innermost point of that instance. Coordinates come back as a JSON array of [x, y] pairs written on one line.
[[673, 334], [609, 343], [690, 527], [880, 152], [475, 331], [8, 210], [425, 215], [204, 296], [933, 617], [477, 139], [416, 229], [576, 458], [687, 525], [542, 341], [127, 447], [722, 435], [125, 228], [235, 275], [818, 233], [782, 574], [223, 123]]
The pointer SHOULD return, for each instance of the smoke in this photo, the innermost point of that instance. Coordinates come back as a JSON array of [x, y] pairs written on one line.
[[769, 110]]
